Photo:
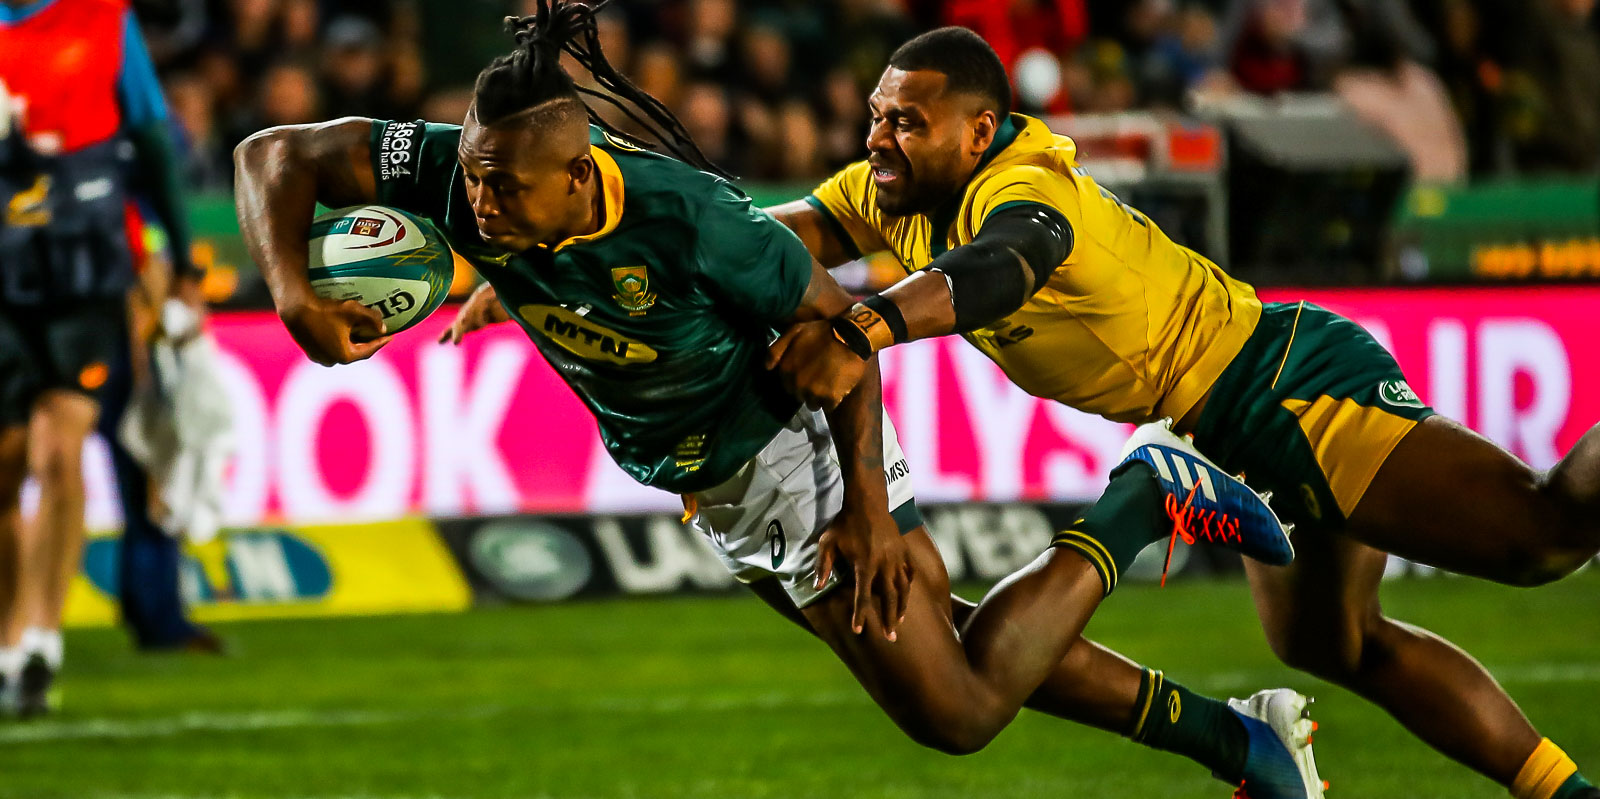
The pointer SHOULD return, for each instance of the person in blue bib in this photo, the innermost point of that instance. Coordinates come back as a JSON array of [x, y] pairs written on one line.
[[77, 89]]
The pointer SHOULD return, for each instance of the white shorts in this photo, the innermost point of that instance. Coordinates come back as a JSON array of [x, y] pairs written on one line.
[[766, 519]]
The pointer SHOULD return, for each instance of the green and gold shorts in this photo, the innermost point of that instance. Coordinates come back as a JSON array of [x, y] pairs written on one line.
[[1309, 409]]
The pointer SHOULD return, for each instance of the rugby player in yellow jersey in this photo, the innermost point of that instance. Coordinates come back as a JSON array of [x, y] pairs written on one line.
[[977, 203]]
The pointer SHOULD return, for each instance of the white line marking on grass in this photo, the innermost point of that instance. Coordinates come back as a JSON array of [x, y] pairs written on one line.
[[207, 721], [250, 721], [236, 796]]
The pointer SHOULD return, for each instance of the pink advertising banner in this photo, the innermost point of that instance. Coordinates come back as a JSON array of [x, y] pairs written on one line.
[[488, 428]]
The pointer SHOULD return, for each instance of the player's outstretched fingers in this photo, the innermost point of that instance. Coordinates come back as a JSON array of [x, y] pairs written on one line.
[[892, 600], [824, 561], [863, 596], [903, 591]]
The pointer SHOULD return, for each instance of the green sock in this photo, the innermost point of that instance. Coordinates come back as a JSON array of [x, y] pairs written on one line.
[[1573, 788], [1126, 518], [1171, 718]]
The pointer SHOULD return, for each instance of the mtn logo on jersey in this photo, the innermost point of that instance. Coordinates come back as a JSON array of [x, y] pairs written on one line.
[[584, 338], [1399, 394], [633, 289]]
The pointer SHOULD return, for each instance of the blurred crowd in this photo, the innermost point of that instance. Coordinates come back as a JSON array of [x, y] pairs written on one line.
[[775, 89]]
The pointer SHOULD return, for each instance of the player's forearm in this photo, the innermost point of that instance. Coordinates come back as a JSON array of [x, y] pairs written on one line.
[[280, 176], [275, 196], [807, 223], [969, 287], [857, 428]]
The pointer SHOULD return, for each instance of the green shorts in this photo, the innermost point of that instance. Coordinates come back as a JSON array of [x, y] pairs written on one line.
[[68, 347], [1309, 409]]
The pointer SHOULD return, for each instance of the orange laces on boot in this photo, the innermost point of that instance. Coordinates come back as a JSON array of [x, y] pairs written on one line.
[[1192, 524]]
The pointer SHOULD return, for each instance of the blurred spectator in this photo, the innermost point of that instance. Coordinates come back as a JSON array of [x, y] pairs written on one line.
[[709, 46], [706, 114], [1553, 88], [1472, 75], [659, 72], [289, 96], [206, 162], [765, 62], [1181, 55], [353, 72], [1385, 82], [448, 105], [776, 89], [1283, 45], [844, 119]]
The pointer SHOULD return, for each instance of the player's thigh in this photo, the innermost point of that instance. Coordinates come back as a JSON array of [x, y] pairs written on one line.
[[19, 386], [1316, 611], [922, 679], [76, 346], [1451, 498], [13, 464]]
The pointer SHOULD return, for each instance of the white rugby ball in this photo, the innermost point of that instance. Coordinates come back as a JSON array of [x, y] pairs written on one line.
[[391, 261]]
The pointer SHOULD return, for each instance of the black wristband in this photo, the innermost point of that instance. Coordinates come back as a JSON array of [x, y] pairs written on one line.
[[853, 337], [891, 315]]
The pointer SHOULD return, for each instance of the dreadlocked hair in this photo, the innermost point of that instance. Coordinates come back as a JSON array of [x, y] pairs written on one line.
[[532, 74]]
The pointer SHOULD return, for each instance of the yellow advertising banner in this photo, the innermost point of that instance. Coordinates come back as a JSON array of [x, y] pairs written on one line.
[[287, 572]]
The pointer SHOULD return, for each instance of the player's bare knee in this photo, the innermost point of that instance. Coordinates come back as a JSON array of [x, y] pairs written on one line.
[[956, 728], [953, 738], [1332, 654], [56, 461]]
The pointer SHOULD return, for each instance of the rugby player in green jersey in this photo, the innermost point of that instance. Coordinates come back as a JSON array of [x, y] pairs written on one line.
[[654, 288]]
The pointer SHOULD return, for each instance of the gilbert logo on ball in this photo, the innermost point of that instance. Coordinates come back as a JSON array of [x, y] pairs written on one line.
[[391, 261]]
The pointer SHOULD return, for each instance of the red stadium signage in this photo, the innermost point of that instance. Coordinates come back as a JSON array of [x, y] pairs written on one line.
[[488, 429]]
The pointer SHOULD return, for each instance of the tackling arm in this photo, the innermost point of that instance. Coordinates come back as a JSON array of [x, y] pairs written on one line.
[[814, 231], [968, 287]]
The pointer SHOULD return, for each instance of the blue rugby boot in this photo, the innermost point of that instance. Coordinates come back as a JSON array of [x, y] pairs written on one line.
[[1206, 503], [1280, 765]]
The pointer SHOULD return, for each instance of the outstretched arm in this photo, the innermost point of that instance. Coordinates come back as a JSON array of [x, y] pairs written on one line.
[[965, 289], [280, 176], [826, 243]]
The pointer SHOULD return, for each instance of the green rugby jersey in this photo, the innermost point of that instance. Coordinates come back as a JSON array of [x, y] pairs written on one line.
[[659, 321]]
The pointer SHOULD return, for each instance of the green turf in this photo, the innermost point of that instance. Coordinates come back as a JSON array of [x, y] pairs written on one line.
[[716, 697]]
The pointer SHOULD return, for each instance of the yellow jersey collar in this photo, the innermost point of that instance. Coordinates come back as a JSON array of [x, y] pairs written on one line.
[[945, 215], [611, 191]]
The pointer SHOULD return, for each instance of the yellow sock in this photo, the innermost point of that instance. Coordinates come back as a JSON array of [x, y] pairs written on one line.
[[1547, 768]]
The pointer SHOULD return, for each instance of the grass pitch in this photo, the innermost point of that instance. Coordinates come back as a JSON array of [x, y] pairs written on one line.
[[718, 697]]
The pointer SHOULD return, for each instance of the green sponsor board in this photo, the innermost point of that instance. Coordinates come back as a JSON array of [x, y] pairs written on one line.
[[1501, 230]]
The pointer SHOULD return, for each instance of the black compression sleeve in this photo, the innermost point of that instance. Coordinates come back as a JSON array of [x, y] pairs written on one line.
[[1011, 258]]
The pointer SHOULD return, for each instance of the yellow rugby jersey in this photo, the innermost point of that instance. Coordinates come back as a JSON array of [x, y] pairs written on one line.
[[1132, 326]]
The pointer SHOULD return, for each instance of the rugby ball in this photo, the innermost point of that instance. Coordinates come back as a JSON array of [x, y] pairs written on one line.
[[391, 261]]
